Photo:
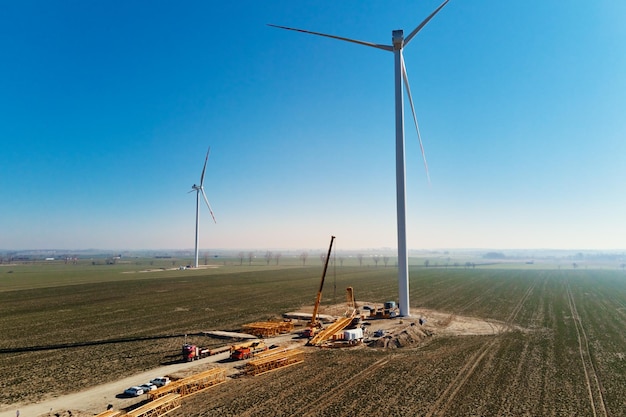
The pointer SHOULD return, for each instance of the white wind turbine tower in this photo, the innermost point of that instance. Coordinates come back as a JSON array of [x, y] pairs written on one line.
[[200, 189], [398, 43]]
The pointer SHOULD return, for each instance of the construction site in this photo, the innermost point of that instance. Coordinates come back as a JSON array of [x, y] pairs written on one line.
[[240, 357], [340, 326], [265, 347], [297, 332], [281, 342]]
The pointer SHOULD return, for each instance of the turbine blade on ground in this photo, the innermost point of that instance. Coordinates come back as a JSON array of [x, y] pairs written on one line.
[[208, 205], [419, 136], [373, 45], [421, 25]]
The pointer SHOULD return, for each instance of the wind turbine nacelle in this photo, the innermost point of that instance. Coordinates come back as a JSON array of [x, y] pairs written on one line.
[[397, 38]]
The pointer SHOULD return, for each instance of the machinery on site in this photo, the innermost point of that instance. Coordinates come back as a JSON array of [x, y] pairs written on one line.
[[353, 309], [193, 352], [264, 329], [314, 325], [239, 351], [350, 298], [247, 350], [388, 311]]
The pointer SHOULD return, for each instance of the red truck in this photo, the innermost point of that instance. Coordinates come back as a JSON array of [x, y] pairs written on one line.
[[247, 350], [193, 352]]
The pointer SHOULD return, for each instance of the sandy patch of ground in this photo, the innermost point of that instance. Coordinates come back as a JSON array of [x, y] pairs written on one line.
[[451, 324], [412, 331]]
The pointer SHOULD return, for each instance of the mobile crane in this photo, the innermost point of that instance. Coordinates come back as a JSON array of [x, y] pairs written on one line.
[[314, 325]]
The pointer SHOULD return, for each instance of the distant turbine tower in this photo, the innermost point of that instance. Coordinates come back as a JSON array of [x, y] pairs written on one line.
[[399, 42], [200, 189]]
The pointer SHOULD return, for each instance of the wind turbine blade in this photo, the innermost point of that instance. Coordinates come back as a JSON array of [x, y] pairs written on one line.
[[203, 169], [373, 45], [208, 205], [419, 137], [421, 25]]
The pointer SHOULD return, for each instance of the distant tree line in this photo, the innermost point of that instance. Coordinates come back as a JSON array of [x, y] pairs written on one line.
[[494, 255]]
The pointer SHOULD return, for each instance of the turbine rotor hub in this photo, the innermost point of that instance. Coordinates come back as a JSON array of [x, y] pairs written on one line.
[[397, 38]]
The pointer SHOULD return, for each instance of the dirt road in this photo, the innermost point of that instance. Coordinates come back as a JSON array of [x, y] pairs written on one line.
[[95, 400]]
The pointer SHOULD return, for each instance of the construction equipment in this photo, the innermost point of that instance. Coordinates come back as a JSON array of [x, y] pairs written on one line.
[[191, 384], [389, 311], [353, 310], [314, 324], [247, 350], [330, 331], [158, 407], [193, 352], [269, 328], [267, 363], [243, 345], [350, 298], [336, 330]]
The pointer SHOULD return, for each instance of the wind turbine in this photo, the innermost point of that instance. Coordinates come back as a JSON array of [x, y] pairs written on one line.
[[200, 189], [398, 43]]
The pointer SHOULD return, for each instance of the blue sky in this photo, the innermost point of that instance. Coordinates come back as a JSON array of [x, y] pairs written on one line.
[[108, 109]]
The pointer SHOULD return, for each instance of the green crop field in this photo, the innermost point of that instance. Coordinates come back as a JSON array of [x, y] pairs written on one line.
[[563, 353]]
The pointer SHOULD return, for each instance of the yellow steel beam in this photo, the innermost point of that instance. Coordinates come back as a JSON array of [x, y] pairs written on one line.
[[158, 407], [191, 384], [332, 329], [271, 363]]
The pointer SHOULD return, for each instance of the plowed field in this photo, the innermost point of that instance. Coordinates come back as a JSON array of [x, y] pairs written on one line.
[[557, 347]]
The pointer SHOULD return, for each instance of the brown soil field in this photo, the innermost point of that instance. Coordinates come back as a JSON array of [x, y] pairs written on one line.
[[495, 343]]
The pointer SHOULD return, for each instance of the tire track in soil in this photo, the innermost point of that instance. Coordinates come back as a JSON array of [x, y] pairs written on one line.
[[477, 299], [315, 380], [591, 375], [328, 397], [445, 301], [537, 317], [505, 409], [447, 396], [339, 392]]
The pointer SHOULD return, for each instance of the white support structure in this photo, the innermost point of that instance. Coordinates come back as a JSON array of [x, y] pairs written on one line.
[[399, 42]]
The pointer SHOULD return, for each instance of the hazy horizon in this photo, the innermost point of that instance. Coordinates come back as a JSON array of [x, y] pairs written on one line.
[[344, 250]]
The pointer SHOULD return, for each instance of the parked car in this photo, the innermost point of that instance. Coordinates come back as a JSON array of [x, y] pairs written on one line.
[[160, 381], [148, 387], [133, 391]]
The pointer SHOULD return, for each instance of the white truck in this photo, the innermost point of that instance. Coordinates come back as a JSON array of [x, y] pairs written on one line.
[[160, 381]]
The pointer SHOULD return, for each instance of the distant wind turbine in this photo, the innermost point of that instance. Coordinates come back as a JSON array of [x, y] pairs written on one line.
[[200, 189], [398, 43]]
